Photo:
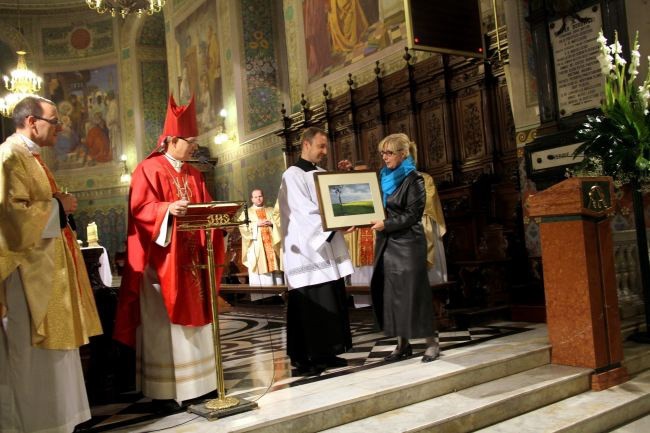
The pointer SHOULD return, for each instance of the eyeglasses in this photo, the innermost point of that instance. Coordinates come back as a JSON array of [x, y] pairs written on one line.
[[55, 122], [190, 141], [386, 152]]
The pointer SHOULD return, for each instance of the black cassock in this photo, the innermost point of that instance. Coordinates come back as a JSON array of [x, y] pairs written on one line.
[[318, 326]]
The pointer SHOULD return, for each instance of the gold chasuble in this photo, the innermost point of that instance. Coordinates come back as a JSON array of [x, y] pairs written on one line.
[[267, 242], [432, 212], [261, 245], [361, 244], [58, 293]]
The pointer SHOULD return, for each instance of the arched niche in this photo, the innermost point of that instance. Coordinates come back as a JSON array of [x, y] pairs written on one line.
[[144, 67]]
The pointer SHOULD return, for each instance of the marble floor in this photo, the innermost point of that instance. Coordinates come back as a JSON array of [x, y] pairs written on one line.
[[255, 363]]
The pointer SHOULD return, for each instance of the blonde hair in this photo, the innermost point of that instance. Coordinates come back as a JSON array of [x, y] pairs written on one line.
[[399, 143]]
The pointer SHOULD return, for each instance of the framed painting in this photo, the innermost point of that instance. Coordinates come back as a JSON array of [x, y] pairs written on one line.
[[348, 199]]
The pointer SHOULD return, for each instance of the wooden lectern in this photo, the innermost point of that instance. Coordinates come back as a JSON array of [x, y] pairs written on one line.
[[579, 279], [207, 217]]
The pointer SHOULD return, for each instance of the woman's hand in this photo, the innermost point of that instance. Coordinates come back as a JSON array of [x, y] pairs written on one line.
[[377, 225]]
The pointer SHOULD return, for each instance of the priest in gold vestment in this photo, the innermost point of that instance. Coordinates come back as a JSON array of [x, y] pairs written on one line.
[[261, 240], [433, 222], [46, 301]]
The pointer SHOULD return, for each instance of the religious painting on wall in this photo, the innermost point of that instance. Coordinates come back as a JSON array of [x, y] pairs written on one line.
[[87, 101], [200, 65], [341, 32]]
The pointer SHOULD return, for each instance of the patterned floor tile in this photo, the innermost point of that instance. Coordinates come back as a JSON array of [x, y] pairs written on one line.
[[255, 361]]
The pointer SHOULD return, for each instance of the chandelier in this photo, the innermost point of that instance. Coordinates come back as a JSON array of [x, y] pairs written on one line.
[[125, 7], [22, 82]]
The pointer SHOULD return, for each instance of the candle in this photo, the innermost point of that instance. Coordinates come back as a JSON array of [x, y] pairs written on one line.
[[91, 235]]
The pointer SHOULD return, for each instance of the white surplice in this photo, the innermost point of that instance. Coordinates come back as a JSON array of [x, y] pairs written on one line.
[[309, 258]]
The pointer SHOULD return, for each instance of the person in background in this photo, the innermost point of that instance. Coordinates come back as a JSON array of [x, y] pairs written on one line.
[[164, 296], [47, 305], [401, 296], [433, 223], [261, 240], [315, 264]]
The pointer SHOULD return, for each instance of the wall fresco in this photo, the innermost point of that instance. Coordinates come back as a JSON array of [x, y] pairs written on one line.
[[154, 102], [87, 101], [200, 65], [77, 41], [356, 29], [262, 95]]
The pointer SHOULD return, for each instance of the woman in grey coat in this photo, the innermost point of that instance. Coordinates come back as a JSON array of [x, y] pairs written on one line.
[[400, 289]]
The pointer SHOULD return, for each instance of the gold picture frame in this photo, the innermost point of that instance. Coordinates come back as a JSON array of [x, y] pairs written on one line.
[[349, 199]]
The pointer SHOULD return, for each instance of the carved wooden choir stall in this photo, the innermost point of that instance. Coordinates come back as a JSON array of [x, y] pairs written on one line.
[[457, 110]]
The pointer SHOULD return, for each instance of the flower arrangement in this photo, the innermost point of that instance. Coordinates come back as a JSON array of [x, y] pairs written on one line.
[[616, 142]]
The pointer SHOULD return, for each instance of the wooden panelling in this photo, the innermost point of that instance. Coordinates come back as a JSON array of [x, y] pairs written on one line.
[[459, 115], [471, 133], [434, 135]]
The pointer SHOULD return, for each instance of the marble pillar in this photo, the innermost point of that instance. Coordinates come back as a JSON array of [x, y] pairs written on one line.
[[579, 277]]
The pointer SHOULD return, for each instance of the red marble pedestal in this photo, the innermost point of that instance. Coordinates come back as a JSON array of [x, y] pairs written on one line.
[[579, 278]]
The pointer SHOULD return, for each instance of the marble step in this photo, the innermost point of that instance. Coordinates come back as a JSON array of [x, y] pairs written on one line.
[[325, 404], [641, 425], [480, 405], [588, 412], [636, 357]]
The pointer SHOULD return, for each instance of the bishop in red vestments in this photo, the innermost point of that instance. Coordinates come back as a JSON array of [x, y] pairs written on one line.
[[164, 303]]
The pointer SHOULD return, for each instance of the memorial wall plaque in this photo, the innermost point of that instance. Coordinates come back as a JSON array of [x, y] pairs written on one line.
[[578, 79]]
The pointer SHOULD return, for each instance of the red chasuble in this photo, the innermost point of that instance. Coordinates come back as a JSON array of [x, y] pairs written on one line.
[[184, 286]]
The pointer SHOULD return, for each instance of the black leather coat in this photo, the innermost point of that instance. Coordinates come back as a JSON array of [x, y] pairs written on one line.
[[400, 288]]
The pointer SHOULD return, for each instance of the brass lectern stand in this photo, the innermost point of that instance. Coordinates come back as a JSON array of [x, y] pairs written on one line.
[[207, 217]]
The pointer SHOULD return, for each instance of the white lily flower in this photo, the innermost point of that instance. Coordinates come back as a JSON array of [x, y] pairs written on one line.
[[634, 64], [616, 47], [620, 61], [606, 65], [644, 95]]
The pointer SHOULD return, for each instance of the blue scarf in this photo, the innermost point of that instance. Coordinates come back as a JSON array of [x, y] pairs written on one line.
[[391, 179]]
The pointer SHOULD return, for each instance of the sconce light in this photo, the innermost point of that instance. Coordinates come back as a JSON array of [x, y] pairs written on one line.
[[125, 177], [222, 136]]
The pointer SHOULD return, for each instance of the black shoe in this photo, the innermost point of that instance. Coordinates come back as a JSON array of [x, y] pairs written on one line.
[[307, 368], [403, 353], [332, 361], [164, 407]]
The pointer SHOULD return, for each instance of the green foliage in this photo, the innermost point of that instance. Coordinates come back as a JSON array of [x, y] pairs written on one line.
[[617, 141]]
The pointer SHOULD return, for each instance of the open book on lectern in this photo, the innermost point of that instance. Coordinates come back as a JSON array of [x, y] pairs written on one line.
[[214, 214]]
